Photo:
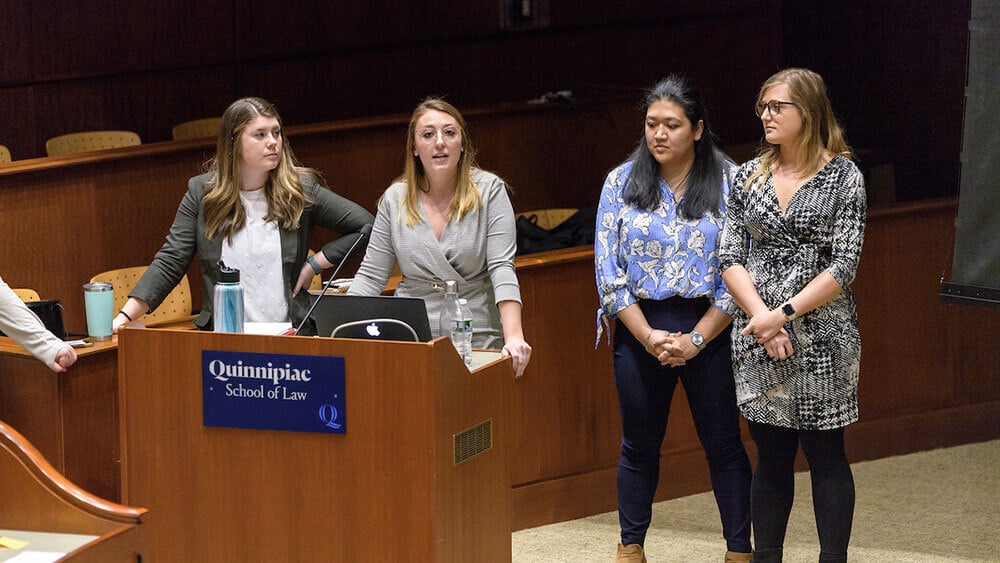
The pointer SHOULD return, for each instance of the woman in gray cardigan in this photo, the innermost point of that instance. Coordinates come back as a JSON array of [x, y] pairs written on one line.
[[444, 219], [255, 210]]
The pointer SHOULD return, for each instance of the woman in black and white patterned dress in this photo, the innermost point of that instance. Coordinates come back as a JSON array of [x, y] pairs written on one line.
[[790, 250]]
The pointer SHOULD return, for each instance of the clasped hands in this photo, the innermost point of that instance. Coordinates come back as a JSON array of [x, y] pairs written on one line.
[[768, 329], [671, 348]]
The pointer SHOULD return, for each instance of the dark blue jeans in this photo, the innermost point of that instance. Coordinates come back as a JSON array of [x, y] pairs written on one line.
[[645, 389]]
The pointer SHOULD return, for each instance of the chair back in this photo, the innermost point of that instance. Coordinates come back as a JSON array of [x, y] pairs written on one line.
[[176, 306], [549, 218], [197, 129], [317, 281], [26, 294], [4, 154], [90, 141]]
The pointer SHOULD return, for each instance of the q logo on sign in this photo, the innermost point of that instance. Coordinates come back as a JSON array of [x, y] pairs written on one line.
[[328, 414]]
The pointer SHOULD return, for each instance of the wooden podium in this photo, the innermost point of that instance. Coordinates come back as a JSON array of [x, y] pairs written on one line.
[[38, 505], [400, 485]]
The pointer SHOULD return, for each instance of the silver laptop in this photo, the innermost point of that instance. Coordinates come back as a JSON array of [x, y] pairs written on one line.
[[373, 317]]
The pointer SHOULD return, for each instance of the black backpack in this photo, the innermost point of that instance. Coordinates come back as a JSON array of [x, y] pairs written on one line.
[[576, 230]]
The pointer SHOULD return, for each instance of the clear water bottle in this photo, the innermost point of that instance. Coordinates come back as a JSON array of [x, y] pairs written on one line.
[[227, 303], [450, 322], [466, 349]]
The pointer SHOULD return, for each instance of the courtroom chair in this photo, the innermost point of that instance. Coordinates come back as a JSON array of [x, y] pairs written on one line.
[[176, 306], [317, 281], [26, 294], [90, 141], [549, 218], [197, 129], [4, 154]]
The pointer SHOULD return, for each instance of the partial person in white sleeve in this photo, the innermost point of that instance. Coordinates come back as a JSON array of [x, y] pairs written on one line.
[[445, 219], [24, 326]]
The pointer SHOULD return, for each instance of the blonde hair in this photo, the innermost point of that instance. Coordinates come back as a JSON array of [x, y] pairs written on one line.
[[820, 135], [224, 213], [466, 198]]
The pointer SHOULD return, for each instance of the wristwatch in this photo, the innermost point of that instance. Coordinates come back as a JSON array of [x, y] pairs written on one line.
[[697, 339], [789, 311]]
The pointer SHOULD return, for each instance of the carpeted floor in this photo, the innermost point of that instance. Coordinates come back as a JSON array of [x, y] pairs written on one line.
[[936, 506]]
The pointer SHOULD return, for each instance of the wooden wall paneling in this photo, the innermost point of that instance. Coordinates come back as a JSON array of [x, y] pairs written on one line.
[[357, 163], [19, 128], [334, 85], [347, 61], [94, 217], [557, 157], [30, 389], [89, 411], [102, 38], [158, 101], [68, 41], [565, 407], [524, 146], [567, 13], [299, 27], [78, 105], [973, 350], [897, 292], [148, 103], [903, 93], [72, 417], [15, 46]]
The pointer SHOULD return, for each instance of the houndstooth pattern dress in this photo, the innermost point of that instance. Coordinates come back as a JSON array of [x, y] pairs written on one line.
[[822, 229]]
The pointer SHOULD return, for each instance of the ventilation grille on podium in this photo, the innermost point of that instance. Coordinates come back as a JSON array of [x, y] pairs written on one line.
[[474, 441]]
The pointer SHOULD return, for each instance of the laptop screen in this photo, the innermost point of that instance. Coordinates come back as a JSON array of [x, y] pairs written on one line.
[[376, 317]]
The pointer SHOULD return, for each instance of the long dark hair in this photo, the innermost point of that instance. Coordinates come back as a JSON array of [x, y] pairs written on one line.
[[704, 183]]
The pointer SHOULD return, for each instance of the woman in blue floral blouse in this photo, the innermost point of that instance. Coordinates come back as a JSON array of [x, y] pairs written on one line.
[[656, 256]]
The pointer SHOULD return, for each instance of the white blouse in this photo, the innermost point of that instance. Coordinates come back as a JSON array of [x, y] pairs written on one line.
[[256, 252]]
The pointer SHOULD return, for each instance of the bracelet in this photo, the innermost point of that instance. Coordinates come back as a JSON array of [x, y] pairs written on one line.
[[122, 312], [648, 335], [315, 265]]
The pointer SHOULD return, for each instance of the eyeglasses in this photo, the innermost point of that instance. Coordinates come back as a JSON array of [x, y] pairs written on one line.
[[774, 106]]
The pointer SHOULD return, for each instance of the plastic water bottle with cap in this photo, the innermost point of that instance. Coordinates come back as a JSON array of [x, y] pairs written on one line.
[[450, 322], [227, 303], [466, 350]]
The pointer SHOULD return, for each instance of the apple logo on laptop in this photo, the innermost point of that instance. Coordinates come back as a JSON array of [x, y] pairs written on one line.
[[372, 330]]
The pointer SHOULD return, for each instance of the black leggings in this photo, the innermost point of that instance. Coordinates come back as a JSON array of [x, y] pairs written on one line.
[[773, 489]]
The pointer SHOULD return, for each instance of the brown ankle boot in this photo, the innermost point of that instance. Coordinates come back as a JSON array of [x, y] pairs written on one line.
[[631, 553], [736, 556]]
